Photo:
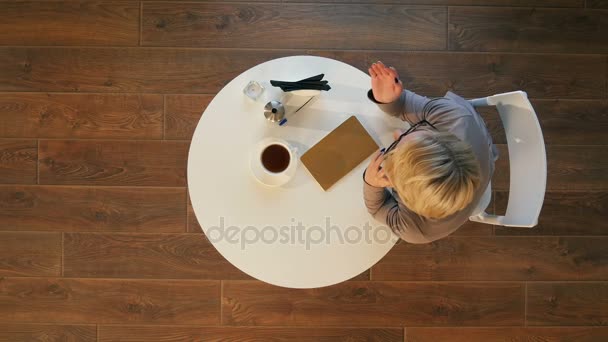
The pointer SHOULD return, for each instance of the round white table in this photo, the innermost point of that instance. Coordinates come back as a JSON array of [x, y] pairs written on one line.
[[296, 235]]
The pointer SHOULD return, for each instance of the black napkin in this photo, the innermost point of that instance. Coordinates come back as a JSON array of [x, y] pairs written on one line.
[[315, 83]]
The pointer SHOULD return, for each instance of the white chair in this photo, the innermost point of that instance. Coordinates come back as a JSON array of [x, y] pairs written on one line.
[[527, 160]]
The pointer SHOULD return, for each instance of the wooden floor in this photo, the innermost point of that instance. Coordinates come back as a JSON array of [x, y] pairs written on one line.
[[98, 102]]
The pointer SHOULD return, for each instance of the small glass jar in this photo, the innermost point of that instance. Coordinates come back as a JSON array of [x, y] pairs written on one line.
[[253, 90]]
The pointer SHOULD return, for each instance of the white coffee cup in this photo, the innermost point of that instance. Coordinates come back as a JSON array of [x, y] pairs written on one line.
[[273, 162]]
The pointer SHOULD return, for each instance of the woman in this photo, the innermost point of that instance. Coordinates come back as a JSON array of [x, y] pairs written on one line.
[[438, 169]]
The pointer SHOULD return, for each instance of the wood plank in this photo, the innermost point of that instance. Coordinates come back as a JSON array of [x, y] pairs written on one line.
[[171, 256], [70, 23], [518, 3], [497, 258], [478, 75], [147, 163], [577, 168], [502, 175], [121, 209], [528, 30], [300, 26], [565, 213], [218, 334], [121, 70], [83, 116], [47, 332], [30, 254], [183, 114], [522, 3], [187, 71], [514, 3], [18, 161], [578, 334], [568, 168], [103, 301], [374, 304], [567, 303], [475, 229], [562, 122], [597, 3]]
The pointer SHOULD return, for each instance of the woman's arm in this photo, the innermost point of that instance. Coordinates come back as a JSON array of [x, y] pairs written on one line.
[[384, 207]]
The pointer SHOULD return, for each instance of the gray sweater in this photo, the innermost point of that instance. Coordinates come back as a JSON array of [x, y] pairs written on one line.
[[450, 113]]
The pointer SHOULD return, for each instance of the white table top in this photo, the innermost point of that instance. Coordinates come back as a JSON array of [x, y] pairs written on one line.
[[265, 241]]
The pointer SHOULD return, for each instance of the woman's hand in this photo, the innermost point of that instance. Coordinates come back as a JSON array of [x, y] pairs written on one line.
[[386, 85], [374, 175]]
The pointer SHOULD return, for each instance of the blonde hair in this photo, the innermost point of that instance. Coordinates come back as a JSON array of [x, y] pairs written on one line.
[[435, 174]]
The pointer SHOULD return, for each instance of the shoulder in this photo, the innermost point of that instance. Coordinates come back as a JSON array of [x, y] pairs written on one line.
[[449, 107]]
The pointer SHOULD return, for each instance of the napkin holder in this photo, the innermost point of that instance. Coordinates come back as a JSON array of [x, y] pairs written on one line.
[[298, 100]]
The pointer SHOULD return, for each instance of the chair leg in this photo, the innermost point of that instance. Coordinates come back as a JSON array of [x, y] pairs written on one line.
[[482, 102]]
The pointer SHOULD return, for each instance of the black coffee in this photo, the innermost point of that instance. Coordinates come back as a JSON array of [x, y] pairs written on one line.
[[275, 158]]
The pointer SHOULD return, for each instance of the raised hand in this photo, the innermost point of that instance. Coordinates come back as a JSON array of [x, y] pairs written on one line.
[[386, 85]]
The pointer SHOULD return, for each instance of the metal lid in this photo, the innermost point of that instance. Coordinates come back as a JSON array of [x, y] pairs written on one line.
[[274, 111]]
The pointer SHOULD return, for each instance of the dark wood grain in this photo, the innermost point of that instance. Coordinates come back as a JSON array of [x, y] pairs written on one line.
[[474, 229], [471, 228], [567, 303], [85, 116], [597, 3], [148, 163], [568, 168], [30, 254], [479, 75], [70, 23], [126, 70], [26, 300], [565, 213], [114, 198], [548, 334], [523, 3], [497, 258], [183, 113], [374, 304], [494, 124], [18, 160], [47, 332], [513, 3], [502, 176], [577, 168], [563, 122], [297, 25], [528, 30], [104, 209], [190, 71], [169, 256], [220, 334]]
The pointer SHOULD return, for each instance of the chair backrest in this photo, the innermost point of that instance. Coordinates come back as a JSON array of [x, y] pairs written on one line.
[[527, 158]]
